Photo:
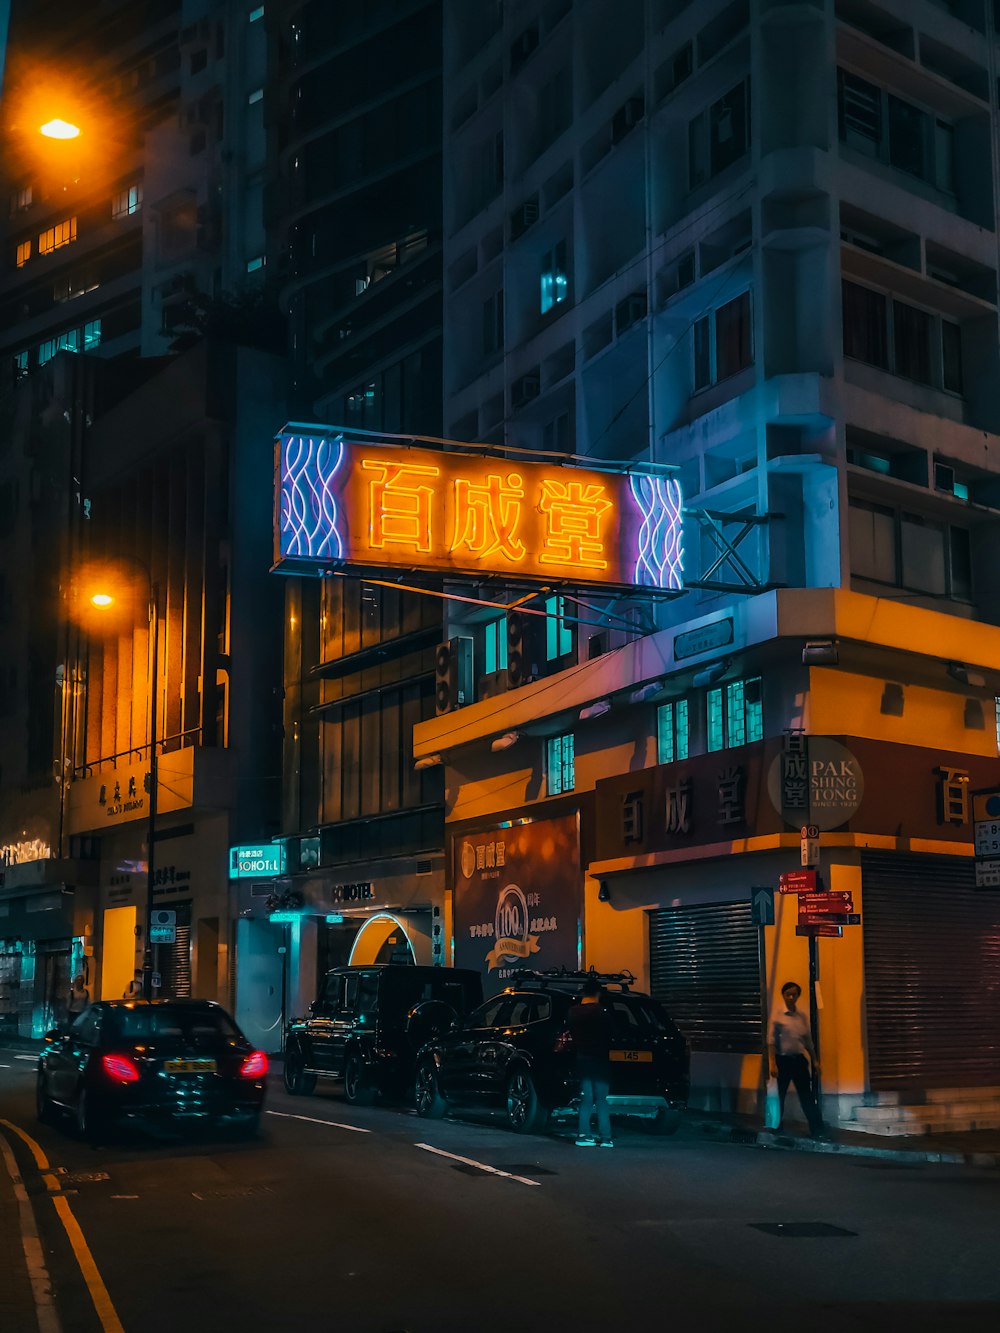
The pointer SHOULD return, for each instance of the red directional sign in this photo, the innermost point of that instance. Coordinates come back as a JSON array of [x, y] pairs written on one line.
[[835, 931], [826, 902], [797, 881], [821, 918]]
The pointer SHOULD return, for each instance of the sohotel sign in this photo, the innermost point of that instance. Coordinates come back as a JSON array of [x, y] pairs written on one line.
[[374, 505]]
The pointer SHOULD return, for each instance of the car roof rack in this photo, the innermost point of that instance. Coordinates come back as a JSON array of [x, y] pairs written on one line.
[[571, 977]]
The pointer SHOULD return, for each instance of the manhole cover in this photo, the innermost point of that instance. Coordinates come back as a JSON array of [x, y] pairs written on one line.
[[528, 1170], [801, 1230]]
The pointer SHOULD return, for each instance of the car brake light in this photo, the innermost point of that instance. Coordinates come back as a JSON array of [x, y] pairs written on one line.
[[564, 1041], [120, 1067], [255, 1065]]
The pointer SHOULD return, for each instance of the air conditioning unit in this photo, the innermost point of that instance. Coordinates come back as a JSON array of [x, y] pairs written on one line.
[[524, 389], [630, 311], [626, 118], [453, 675], [524, 216], [493, 684], [525, 648]]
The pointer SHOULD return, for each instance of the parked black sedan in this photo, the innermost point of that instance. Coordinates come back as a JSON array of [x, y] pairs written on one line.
[[515, 1052], [172, 1061]]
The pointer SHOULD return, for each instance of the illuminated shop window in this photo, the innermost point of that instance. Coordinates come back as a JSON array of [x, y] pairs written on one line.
[[555, 279], [53, 238], [23, 253], [672, 732], [495, 645], [127, 201], [561, 765], [734, 714], [558, 635]]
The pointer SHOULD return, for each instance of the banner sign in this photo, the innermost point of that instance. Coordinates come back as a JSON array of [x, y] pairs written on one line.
[[343, 503], [517, 898]]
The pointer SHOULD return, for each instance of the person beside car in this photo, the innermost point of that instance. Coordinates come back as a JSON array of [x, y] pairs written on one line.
[[590, 1029]]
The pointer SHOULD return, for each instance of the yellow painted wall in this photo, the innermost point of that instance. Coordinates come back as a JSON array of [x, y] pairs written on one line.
[[844, 704], [614, 939], [118, 954], [842, 983]]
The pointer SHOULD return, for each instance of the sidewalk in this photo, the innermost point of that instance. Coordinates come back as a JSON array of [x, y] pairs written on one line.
[[975, 1148]]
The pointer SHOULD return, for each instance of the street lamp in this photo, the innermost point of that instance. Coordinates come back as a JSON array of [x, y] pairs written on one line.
[[103, 600], [59, 129]]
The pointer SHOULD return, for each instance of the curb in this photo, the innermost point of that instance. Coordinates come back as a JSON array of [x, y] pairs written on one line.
[[764, 1138]]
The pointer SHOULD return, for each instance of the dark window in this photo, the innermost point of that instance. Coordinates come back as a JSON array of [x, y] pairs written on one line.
[[702, 354], [860, 112], [351, 987], [951, 351], [865, 333], [187, 1021], [87, 1027], [907, 137], [961, 563], [485, 1016], [912, 335], [518, 1014], [719, 136], [733, 339], [541, 1009]]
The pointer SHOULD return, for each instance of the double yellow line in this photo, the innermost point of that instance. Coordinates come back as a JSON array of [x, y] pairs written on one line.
[[47, 1318]]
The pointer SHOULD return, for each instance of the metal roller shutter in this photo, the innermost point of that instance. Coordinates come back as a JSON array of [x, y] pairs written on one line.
[[705, 969], [175, 959], [932, 973]]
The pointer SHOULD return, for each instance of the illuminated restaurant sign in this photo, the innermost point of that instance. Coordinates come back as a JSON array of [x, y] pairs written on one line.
[[382, 505]]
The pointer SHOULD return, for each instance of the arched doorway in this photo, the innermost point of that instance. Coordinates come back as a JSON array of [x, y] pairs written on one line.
[[383, 939]]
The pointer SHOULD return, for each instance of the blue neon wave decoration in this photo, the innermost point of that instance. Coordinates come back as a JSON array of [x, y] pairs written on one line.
[[659, 542], [310, 520]]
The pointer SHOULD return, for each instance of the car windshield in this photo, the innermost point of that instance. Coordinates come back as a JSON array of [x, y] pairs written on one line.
[[636, 1014], [189, 1024]]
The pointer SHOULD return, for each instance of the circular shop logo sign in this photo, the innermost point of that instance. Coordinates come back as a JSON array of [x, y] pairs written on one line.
[[468, 860], [825, 775]]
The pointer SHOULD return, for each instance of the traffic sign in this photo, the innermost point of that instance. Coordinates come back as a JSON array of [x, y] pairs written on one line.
[[821, 918], [809, 835], [163, 926], [797, 881], [835, 932], [988, 874], [853, 919], [986, 805], [837, 900], [762, 905], [155, 980], [987, 837]]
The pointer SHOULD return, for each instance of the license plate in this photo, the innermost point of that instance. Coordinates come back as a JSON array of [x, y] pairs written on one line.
[[632, 1057], [190, 1066]]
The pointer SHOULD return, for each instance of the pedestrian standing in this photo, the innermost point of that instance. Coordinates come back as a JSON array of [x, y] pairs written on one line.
[[793, 1057], [78, 998], [590, 1028]]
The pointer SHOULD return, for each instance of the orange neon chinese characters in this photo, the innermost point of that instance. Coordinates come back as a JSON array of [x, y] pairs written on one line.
[[488, 515], [400, 504], [574, 512]]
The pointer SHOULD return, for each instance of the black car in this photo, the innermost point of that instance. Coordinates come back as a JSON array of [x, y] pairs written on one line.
[[516, 1052], [151, 1060], [369, 1023]]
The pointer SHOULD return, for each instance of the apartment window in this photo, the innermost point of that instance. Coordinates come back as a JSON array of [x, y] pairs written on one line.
[[891, 130], [255, 14], [554, 279], [672, 731], [91, 335], [20, 364], [53, 238], [23, 253], [493, 323], [256, 96], [720, 135], [495, 645], [734, 714], [63, 342], [255, 263], [904, 339], [558, 634], [723, 342], [561, 764], [20, 200], [911, 551], [126, 202], [72, 285]]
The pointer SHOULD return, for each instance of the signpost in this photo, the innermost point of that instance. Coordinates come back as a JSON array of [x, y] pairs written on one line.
[[797, 881], [809, 834], [163, 926], [986, 835]]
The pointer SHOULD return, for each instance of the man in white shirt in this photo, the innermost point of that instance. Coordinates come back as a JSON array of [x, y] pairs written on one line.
[[793, 1056]]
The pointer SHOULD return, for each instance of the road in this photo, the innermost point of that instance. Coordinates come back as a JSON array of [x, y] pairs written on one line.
[[368, 1221]]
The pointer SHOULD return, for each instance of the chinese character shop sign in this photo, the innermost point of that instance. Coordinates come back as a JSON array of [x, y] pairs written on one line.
[[348, 503]]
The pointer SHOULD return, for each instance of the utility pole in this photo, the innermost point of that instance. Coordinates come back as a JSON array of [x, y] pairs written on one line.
[[149, 958]]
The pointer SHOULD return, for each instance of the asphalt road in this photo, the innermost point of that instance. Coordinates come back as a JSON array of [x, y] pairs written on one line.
[[348, 1220]]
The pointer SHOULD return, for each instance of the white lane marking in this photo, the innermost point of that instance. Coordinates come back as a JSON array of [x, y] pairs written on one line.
[[468, 1161], [25, 1057], [34, 1255], [6, 1066], [315, 1120]]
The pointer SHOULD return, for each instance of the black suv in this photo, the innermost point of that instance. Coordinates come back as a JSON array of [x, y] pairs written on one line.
[[516, 1052], [369, 1023]]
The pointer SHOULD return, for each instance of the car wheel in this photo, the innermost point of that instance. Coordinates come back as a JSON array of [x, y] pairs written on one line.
[[89, 1125], [297, 1081], [667, 1121], [524, 1113], [430, 1104], [357, 1090], [43, 1102]]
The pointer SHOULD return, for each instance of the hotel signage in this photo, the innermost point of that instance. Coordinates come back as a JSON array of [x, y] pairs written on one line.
[[343, 503]]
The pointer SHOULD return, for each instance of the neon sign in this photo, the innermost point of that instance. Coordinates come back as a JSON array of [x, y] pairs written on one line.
[[378, 505]]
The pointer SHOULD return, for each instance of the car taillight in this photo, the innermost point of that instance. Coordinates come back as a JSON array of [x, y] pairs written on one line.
[[564, 1041], [121, 1068], [255, 1065]]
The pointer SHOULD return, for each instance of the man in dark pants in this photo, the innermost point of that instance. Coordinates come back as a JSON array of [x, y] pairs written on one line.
[[793, 1057], [590, 1028]]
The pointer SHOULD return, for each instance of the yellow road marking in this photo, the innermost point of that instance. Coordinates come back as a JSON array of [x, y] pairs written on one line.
[[38, 1274], [103, 1304]]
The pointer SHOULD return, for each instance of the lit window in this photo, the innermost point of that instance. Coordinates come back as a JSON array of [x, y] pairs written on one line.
[[127, 201], [23, 253], [255, 264], [555, 279], [64, 342], [20, 364], [495, 645], [255, 14], [734, 714], [91, 335], [672, 732], [561, 764], [558, 635], [256, 96], [53, 238]]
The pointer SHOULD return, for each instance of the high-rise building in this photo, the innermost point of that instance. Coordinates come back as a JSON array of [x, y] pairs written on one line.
[[756, 243]]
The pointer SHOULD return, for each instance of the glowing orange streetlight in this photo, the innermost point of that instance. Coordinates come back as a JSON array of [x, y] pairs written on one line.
[[102, 599], [59, 129]]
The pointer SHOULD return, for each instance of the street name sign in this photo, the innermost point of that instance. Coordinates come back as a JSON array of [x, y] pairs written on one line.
[[837, 901], [797, 881]]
